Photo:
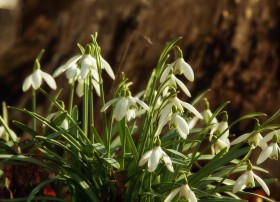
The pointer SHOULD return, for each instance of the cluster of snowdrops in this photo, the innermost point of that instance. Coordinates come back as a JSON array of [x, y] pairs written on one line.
[[153, 146]]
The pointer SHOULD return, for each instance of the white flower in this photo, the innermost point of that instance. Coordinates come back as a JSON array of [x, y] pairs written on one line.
[[153, 157], [35, 80], [271, 151], [207, 114], [177, 122], [86, 62], [219, 144], [185, 193], [125, 106], [179, 66], [70, 64], [254, 139], [270, 135], [173, 81], [94, 81], [247, 180], [220, 128]]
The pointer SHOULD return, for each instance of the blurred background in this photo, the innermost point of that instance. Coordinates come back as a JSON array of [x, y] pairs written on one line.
[[232, 45]]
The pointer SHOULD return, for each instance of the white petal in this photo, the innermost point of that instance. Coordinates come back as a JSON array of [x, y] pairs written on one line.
[[262, 183], [71, 72], [167, 161], [58, 71], [172, 195], [84, 71], [27, 83], [192, 197], [144, 159], [108, 104], [165, 112], [186, 68], [183, 87], [241, 138], [270, 135], [191, 109], [49, 80], [65, 124], [36, 79], [193, 122], [121, 108], [154, 159], [264, 155], [240, 183], [181, 125], [108, 68], [143, 104], [72, 61], [80, 88], [96, 86], [130, 114], [165, 73]]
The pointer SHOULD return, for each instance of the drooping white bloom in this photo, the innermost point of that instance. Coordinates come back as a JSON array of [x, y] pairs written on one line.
[[153, 157], [87, 63], [125, 106], [94, 78], [220, 144], [270, 152], [270, 135], [220, 128], [185, 193], [173, 81], [254, 139], [176, 122], [69, 66], [35, 80], [179, 67], [247, 180]]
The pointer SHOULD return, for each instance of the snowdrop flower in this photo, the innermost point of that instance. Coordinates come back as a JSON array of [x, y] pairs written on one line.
[[180, 106], [270, 152], [254, 139], [270, 135], [154, 156], [207, 114], [247, 180], [125, 106], [185, 193], [94, 80], [173, 81], [220, 128], [70, 67], [220, 144], [35, 79], [180, 67]]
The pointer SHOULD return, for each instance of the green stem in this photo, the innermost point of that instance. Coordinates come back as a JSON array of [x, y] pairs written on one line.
[[34, 109], [91, 112], [85, 106], [71, 97]]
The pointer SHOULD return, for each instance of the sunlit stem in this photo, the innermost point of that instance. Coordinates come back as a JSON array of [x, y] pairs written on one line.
[[71, 97], [102, 97], [85, 106], [91, 112], [34, 109]]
